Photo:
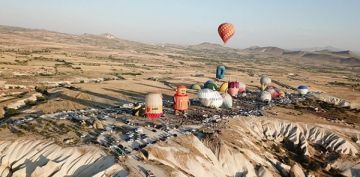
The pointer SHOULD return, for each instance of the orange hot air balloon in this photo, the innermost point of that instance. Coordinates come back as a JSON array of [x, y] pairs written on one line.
[[226, 31]]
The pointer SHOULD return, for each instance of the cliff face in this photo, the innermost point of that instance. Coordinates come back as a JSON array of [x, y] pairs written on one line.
[[257, 147], [44, 158], [251, 147]]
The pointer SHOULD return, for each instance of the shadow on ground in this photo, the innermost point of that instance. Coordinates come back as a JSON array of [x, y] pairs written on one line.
[[136, 96]]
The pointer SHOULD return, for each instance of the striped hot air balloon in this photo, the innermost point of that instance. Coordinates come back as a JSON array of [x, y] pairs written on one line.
[[226, 31]]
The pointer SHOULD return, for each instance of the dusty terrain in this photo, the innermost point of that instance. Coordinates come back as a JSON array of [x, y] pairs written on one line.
[[43, 72]]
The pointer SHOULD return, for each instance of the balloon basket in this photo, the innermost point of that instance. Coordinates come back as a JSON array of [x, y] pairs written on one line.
[[153, 116]]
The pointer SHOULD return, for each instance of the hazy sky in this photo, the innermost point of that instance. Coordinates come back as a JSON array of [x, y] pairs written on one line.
[[283, 23]]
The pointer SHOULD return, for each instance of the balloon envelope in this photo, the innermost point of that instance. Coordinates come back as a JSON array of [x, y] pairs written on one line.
[[303, 90], [303, 87], [226, 31], [195, 87], [275, 92], [220, 72], [210, 98], [227, 100], [242, 87], [208, 82], [211, 86], [265, 80], [223, 87], [265, 96]]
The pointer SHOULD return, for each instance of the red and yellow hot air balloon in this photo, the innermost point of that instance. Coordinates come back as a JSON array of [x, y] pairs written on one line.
[[226, 31]]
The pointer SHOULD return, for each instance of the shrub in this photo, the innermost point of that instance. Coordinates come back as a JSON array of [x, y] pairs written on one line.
[[30, 102], [21, 94], [3, 126], [42, 90], [11, 112], [41, 98]]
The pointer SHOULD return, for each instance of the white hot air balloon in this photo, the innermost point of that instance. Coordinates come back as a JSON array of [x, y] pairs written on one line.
[[210, 98], [153, 105], [227, 100], [264, 81], [265, 96]]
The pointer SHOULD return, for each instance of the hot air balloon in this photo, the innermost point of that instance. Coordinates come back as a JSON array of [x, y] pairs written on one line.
[[181, 99], [303, 90], [233, 89], [226, 31], [281, 94], [265, 96], [220, 72], [210, 98], [275, 92], [208, 82], [153, 104], [223, 88], [242, 87], [195, 87], [264, 81], [212, 86], [227, 100]]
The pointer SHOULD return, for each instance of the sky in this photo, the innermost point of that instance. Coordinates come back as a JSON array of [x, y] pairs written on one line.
[[283, 23]]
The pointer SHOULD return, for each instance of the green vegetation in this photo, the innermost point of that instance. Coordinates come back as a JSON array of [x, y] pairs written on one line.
[[276, 148], [118, 75], [30, 102], [21, 95], [132, 74], [42, 90], [355, 86], [46, 74], [4, 126], [11, 112], [175, 57], [23, 62], [41, 98], [130, 65]]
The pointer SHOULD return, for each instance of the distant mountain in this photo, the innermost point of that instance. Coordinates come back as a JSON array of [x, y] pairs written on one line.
[[28, 37], [207, 47], [269, 50], [109, 36], [325, 55], [313, 49], [106, 40], [332, 58]]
